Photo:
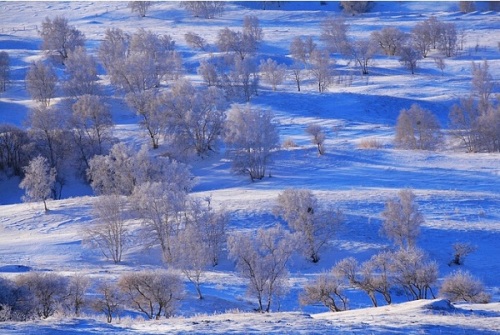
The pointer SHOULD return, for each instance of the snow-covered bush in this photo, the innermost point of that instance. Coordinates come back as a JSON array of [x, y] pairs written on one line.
[[462, 286]]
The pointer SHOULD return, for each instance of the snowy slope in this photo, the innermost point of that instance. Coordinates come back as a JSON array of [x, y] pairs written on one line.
[[458, 193]]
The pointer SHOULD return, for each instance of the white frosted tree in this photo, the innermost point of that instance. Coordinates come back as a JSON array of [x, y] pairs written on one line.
[[316, 225], [334, 34], [402, 220], [109, 232], [262, 259], [409, 56], [153, 293], [41, 81], [417, 129], [389, 39], [272, 72], [81, 74], [327, 289], [462, 286], [322, 69], [59, 38], [92, 126], [38, 181], [140, 7], [317, 137], [251, 135]]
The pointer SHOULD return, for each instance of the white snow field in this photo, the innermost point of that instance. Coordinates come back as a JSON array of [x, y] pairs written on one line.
[[458, 192]]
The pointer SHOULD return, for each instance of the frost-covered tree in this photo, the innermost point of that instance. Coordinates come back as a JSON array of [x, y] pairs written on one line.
[[195, 41], [402, 220], [48, 291], [462, 286], [252, 30], [160, 207], [362, 52], [417, 129], [4, 70], [327, 289], [317, 137], [251, 135], [482, 85], [460, 251], [464, 123], [448, 39], [204, 9], [409, 56], [39, 180], [355, 7], [140, 7], [209, 72], [59, 38], [153, 293], [414, 273], [109, 299], [109, 233], [196, 117], [149, 107], [243, 77], [334, 34], [92, 126], [301, 49], [76, 299], [81, 74], [41, 81], [112, 52], [272, 72], [389, 39], [315, 225], [243, 43], [426, 34], [262, 259], [322, 69]]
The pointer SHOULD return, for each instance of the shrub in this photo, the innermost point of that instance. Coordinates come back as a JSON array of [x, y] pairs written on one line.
[[461, 285]]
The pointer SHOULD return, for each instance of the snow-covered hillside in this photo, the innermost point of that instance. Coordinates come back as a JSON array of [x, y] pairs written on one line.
[[458, 192]]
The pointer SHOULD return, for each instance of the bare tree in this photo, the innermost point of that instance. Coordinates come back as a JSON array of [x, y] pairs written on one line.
[[244, 78], [462, 286], [140, 7], [204, 9], [4, 70], [81, 72], [252, 30], [153, 293], [327, 289], [39, 180], [209, 72], [417, 128], [48, 290], [301, 50], [389, 39], [464, 123], [77, 289], [402, 220], [262, 258], [109, 232], [251, 135], [315, 225], [440, 63], [14, 149], [317, 137], [41, 82], [466, 6], [59, 38], [109, 300]]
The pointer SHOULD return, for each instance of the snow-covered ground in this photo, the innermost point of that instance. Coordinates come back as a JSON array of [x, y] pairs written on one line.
[[459, 193]]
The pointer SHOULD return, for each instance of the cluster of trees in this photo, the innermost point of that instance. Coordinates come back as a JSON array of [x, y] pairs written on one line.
[[474, 121], [406, 268], [39, 295]]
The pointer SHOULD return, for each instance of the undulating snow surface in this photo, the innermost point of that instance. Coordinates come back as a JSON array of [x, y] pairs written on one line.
[[459, 193]]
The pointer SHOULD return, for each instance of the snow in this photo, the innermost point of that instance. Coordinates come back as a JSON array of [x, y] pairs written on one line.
[[459, 193]]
